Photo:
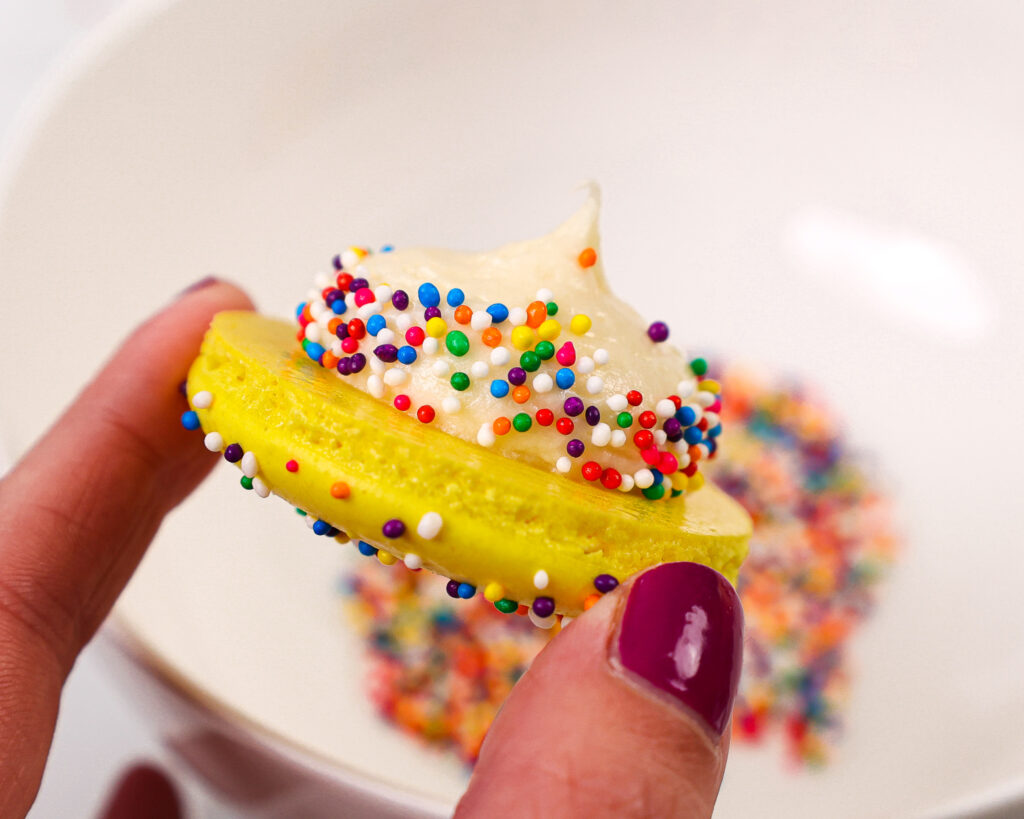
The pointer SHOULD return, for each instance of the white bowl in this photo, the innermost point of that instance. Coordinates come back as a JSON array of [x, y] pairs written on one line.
[[835, 191]]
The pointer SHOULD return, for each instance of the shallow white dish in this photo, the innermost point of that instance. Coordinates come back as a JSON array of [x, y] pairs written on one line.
[[836, 193]]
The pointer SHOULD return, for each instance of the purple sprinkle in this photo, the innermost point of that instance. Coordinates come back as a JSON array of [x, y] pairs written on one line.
[[658, 331], [336, 261], [575, 447], [431, 312], [357, 362], [333, 295], [400, 299], [183, 388], [386, 353], [344, 366], [517, 376], [233, 453], [358, 284], [393, 528], [573, 405], [672, 427], [544, 606], [342, 331], [593, 415], [453, 588], [605, 583]]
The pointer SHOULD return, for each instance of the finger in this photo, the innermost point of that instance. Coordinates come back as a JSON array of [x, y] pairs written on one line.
[[143, 792], [77, 514], [625, 712]]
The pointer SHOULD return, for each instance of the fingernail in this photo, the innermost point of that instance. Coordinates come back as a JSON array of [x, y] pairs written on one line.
[[199, 285], [682, 632]]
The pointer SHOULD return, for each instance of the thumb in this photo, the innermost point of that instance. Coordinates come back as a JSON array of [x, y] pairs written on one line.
[[625, 712]]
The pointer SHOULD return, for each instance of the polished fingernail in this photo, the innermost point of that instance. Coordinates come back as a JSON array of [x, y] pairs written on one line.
[[199, 285], [682, 633]]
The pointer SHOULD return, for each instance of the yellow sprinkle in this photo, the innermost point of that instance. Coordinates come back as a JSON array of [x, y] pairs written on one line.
[[710, 385], [523, 337], [436, 327], [493, 592], [696, 482], [361, 252], [680, 481], [549, 329], [580, 324], [342, 537], [386, 557]]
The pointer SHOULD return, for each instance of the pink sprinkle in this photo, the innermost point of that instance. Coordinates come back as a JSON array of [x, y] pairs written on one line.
[[292, 466], [650, 456], [667, 463], [566, 354]]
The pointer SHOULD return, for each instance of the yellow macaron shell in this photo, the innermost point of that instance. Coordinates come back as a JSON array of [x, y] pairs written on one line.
[[503, 521]]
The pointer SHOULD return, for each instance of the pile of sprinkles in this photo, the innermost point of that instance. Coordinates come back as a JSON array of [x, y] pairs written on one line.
[[823, 539], [540, 372]]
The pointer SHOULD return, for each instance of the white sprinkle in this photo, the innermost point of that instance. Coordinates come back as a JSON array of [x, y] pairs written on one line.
[[563, 465], [376, 365], [627, 483], [312, 296], [479, 369], [540, 580], [665, 408], [429, 525], [361, 272], [383, 293], [617, 403], [618, 438], [542, 622], [601, 356], [500, 356], [202, 399], [543, 383], [643, 478], [705, 398], [214, 442], [585, 366], [349, 258], [412, 561], [431, 345], [375, 386], [712, 419], [385, 336], [660, 436], [451, 404], [595, 384], [517, 315], [566, 621], [395, 376], [403, 321], [369, 309], [310, 521], [686, 387], [321, 280], [336, 348], [683, 458], [543, 295], [480, 320], [260, 488], [602, 435], [485, 436], [250, 466], [313, 331], [440, 368]]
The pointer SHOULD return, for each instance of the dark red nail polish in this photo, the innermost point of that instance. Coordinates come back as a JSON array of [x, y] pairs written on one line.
[[682, 632], [199, 285]]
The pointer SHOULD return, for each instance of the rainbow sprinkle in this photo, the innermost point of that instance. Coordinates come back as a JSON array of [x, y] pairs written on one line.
[[823, 540]]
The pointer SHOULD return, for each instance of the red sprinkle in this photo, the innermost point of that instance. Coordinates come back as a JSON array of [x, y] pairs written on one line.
[[675, 399], [545, 417], [356, 328], [635, 398], [648, 419], [611, 478], [344, 280], [565, 425], [643, 439], [425, 413], [591, 470]]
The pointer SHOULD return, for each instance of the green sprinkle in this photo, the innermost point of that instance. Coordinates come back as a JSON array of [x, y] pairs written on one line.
[[654, 492], [529, 361], [299, 512], [676, 493], [506, 606], [544, 349], [457, 343], [699, 366], [246, 482], [522, 422], [624, 420], [552, 308], [460, 381]]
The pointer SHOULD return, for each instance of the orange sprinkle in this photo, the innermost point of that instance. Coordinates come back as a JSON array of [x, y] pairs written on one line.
[[536, 314], [463, 314], [522, 610], [330, 360], [306, 314], [521, 394], [695, 452], [587, 257], [340, 490], [491, 336], [501, 425], [333, 324], [591, 601]]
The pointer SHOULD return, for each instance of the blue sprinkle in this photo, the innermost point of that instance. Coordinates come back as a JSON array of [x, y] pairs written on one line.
[[692, 435], [366, 549], [407, 354], [321, 527], [498, 312], [466, 590], [314, 350], [455, 297], [376, 323], [387, 248], [429, 295], [339, 306], [190, 420], [565, 378], [658, 477], [499, 388], [686, 416], [299, 309], [715, 431]]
